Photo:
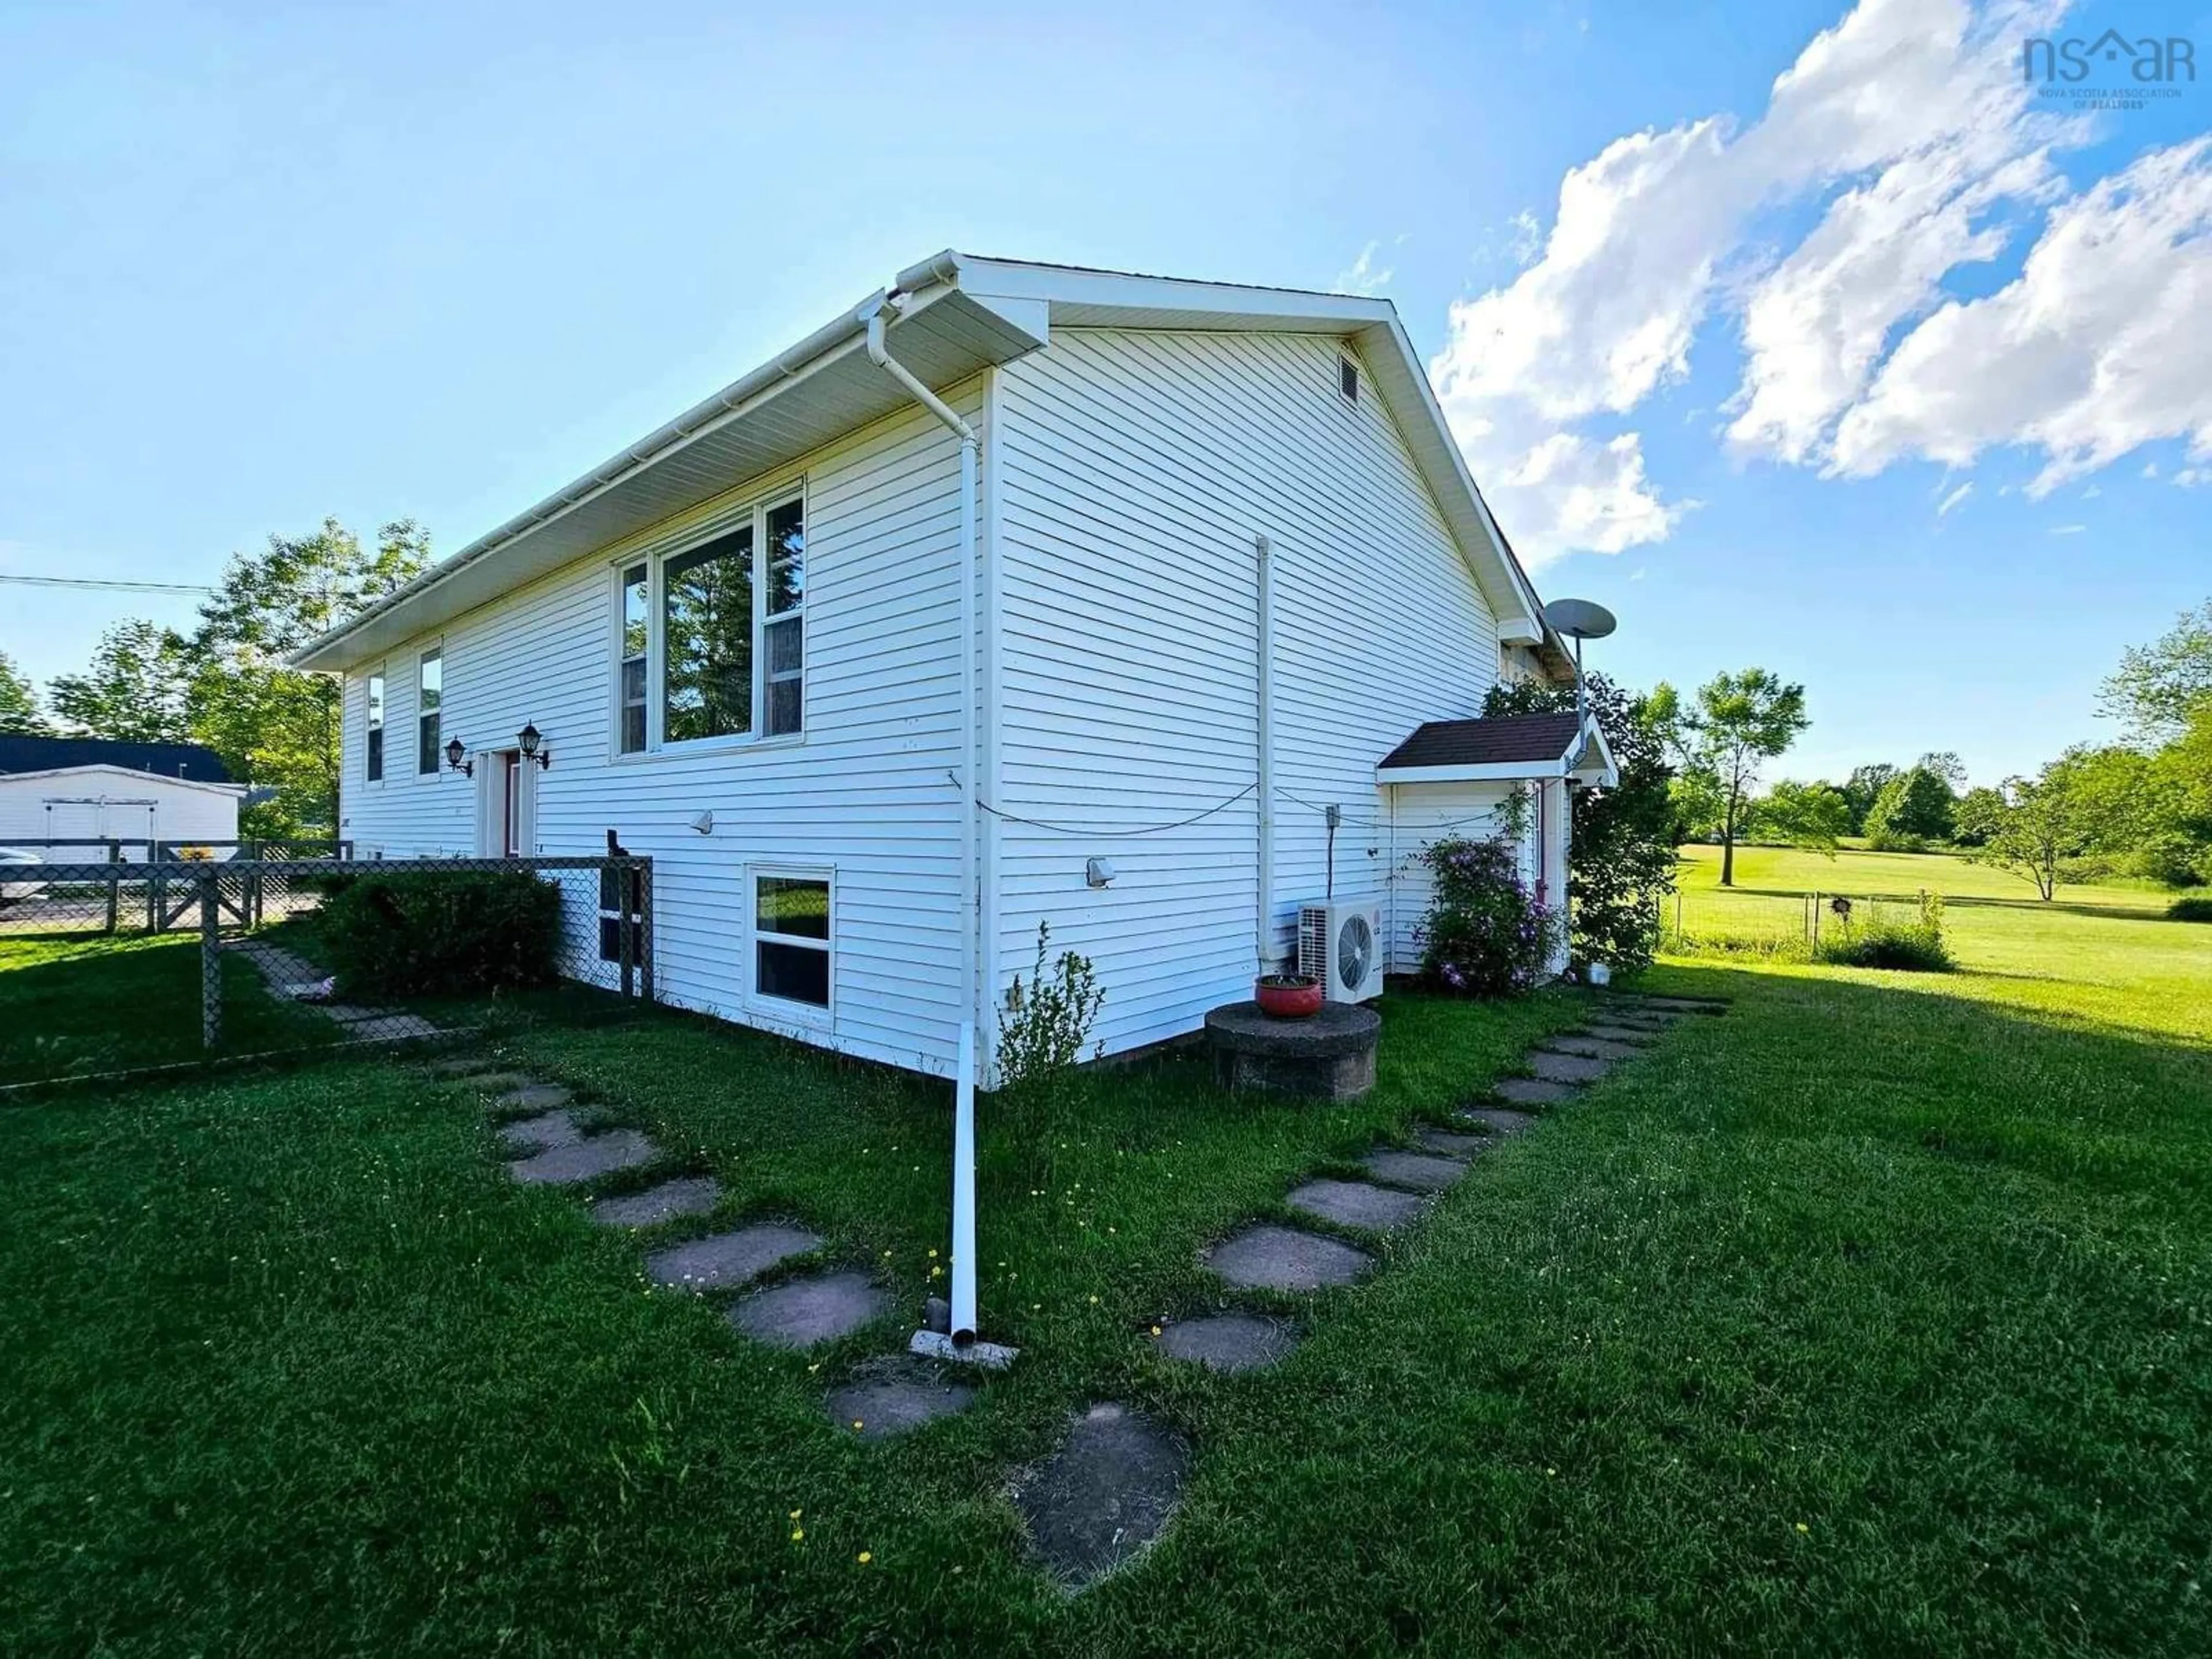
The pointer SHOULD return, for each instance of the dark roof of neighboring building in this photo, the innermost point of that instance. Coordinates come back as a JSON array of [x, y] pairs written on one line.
[[189, 761], [1510, 739]]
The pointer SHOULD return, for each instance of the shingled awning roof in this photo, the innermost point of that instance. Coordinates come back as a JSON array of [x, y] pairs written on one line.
[[1512, 747], [190, 761]]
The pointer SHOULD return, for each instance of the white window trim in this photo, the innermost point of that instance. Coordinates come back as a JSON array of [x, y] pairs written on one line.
[[754, 512], [782, 1008], [415, 726], [370, 721]]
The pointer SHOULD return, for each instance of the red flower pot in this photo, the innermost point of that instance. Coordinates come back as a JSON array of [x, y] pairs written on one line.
[[1286, 998]]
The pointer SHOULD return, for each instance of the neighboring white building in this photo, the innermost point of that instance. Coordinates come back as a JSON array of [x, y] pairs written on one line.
[[89, 791], [1170, 570]]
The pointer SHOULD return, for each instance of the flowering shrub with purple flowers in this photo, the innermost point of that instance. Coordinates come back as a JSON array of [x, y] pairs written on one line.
[[1485, 934]]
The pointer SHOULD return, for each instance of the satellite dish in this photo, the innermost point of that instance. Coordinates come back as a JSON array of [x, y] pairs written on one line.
[[1580, 619]]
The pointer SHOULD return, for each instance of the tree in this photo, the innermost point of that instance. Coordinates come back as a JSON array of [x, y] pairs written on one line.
[[1864, 788], [1813, 816], [1740, 721], [1623, 858], [1976, 816], [2158, 687], [134, 689], [1945, 764], [273, 725], [20, 713], [1915, 807], [2044, 822]]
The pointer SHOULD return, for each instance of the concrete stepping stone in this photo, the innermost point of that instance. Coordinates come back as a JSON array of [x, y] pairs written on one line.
[[1422, 1171], [586, 1160], [462, 1065], [1266, 1257], [541, 1132], [1566, 1068], [533, 1098], [1635, 1036], [892, 1396], [1682, 1005], [1109, 1491], [1356, 1204], [498, 1083], [722, 1260], [1532, 1091], [1498, 1120], [685, 1195], [1448, 1143], [1590, 1048], [1228, 1342], [807, 1311]]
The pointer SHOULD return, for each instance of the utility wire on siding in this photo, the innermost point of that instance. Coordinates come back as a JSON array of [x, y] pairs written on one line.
[[1088, 829]]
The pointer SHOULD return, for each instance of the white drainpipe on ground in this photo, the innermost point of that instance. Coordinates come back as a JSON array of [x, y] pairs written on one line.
[[1263, 919], [964, 1118]]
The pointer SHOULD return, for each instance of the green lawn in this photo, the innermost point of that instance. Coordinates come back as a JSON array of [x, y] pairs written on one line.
[[1875, 1317]]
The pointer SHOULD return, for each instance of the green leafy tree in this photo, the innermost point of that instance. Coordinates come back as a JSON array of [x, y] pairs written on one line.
[[2045, 821], [20, 713], [2158, 687], [1622, 840], [1813, 816], [1863, 788], [1739, 722], [1976, 816], [1914, 808], [134, 690], [273, 725]]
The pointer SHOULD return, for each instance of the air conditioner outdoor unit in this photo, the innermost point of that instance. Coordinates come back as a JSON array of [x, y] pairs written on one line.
[[1341, 944]]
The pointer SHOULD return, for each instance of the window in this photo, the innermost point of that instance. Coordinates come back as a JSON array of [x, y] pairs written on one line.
[[429, 695], [637, 631], [376, 726], [712, 639], [706, 640], [791, 938], [1347, 379], [784, 633]]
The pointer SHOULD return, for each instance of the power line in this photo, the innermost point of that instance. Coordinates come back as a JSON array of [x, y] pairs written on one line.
[[113, 587], [1086, 830]]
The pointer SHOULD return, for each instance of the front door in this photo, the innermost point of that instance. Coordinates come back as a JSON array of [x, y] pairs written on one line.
[[505, 804]]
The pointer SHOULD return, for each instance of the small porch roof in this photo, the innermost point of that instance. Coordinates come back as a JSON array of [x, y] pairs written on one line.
[[1510, 749]]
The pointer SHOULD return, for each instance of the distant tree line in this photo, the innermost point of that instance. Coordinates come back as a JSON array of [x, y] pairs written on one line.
[[223, 682]]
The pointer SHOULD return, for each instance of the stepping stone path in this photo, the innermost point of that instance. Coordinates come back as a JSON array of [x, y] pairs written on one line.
[[1499, 1120], [889, 1397], [1533, 1091], [685, 1195], [1450, 1143], [1591, 1048], [1107, 1492], [1635, 1036], [1356, 1204], [532, 1097], [1285, 1259], [292, 978], [541, 1132], [586, 1159], [1228, 1342], [725, 1260], [1423, 1172], [1566, 1068], [808, 1311]]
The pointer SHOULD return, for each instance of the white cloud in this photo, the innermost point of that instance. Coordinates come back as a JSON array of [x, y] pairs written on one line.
[[2068, 529], [1956, 498], [1363, 275], [2097, 347]]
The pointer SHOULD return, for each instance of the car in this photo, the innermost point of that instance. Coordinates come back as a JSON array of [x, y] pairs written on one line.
[[13, 859]]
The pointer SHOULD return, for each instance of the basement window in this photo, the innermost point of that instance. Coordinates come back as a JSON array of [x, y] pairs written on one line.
[[791, 938], [1347, 379]]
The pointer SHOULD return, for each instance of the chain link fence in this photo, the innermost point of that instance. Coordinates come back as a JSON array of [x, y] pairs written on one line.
[[113, 966]]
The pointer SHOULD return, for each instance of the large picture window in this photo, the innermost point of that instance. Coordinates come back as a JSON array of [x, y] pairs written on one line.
[[712, 641], [429, 699], [376, 726], [791, 938]]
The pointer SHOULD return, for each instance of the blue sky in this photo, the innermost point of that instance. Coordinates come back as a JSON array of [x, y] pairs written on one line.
[[267, 263]]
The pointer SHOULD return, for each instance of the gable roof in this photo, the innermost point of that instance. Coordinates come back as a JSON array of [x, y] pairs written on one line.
[[948, 318], [190, 761], [1510, 747]]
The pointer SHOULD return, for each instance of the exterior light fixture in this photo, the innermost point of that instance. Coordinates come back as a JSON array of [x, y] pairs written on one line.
[[527, 740], [454, 750]]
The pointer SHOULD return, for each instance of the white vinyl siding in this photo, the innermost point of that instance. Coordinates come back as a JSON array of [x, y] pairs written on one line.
[[867, 793], [1138, 467]]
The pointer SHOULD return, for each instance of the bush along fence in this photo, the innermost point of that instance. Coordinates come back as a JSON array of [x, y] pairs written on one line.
[[304, 953], [1880, 930]]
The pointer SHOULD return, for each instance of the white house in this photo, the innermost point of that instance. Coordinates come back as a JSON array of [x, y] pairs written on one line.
[[88, 790], [1017, 594]]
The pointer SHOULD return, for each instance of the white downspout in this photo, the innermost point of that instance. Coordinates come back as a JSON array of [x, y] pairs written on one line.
[[963, 1115], [1263, 921]]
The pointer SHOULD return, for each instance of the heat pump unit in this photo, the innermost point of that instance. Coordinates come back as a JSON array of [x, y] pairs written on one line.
[[1341, 944]]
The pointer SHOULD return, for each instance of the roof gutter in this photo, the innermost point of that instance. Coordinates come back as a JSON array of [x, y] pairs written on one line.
[[691, 423]]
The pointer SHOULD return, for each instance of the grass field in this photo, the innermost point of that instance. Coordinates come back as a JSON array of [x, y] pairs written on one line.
[[1877, 1316]]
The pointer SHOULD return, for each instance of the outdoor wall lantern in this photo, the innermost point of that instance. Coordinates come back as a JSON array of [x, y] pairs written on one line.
[[527, 740], [467, 768]]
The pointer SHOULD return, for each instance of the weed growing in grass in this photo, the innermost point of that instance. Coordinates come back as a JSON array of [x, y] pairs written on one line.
[[1915, 947]]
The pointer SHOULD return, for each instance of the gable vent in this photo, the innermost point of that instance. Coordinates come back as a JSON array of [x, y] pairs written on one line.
[[1347, 379]]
